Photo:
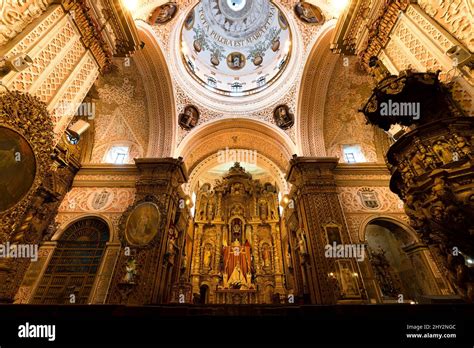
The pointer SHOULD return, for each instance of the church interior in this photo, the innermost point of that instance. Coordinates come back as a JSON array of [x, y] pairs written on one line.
[[236, 153]]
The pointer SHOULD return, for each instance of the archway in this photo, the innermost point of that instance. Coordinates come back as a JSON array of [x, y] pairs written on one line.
[[400, 263], [71, 273], [203, 294]]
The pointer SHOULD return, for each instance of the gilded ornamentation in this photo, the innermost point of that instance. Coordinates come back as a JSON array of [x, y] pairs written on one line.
[[27, 116]]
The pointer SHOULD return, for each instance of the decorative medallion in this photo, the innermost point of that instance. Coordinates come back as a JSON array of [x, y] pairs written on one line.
[[189, 118], [143, 224], [164, 13], [283, 117], [308, 13], [236, 60]]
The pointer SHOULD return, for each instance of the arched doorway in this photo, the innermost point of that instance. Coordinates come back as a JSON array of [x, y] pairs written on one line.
[[70, 274], [203, 294], [400, 263]]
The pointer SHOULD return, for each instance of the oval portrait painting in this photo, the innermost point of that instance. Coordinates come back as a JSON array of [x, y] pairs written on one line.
[[17, 168], [143, 224]]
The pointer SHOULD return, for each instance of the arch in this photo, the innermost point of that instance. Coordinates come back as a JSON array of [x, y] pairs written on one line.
[[399, 261], [59, 233], [388, 218], [236, 133], [263, 162], [312, 96], [158, 84], [71, 273], [204, 293]]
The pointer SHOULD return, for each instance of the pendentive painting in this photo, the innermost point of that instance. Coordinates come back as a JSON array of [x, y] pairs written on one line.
[[17, 168], [143, 224]]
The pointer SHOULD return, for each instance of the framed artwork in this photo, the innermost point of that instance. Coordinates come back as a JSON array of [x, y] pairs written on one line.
[[236, 60], [347, 278], [189, 118], [143, 224], [17, 168], [308, 13], [283, 117], [333, 233], [164, 13]]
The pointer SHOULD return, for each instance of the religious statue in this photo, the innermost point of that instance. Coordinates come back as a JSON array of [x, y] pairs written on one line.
[[422, 160], [236, 188], [461, 144], [236, 279], [210, 210], [236, 229], [263, 209], [289, 261], [302, 244], [171, 250], [207, 257], [266, 255], [130, 271], [237, 264], [443, 151], [184, 262]]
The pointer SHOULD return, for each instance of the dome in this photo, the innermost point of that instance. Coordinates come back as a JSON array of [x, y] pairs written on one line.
[[235, 47]]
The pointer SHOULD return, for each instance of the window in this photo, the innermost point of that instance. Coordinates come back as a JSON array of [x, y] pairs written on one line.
[[353, 153], [117, 155], [211, 82], [236, 87], [71, 272]]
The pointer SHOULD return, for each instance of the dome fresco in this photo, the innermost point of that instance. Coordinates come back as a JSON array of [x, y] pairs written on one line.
[[235, 47]]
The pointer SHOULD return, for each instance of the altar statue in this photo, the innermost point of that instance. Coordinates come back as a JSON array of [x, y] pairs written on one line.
[[236, 279], [237, 263]]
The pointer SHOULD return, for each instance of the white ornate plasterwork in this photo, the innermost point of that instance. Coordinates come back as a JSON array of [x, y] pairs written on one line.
[[417, 42], [97, 200], [62, 71], [351, 200], [121, 117], [16, 15], [456, 16], [348, 90]]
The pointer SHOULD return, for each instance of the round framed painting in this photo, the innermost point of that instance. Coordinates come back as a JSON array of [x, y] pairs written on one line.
[[142, 224], [17, 168]]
